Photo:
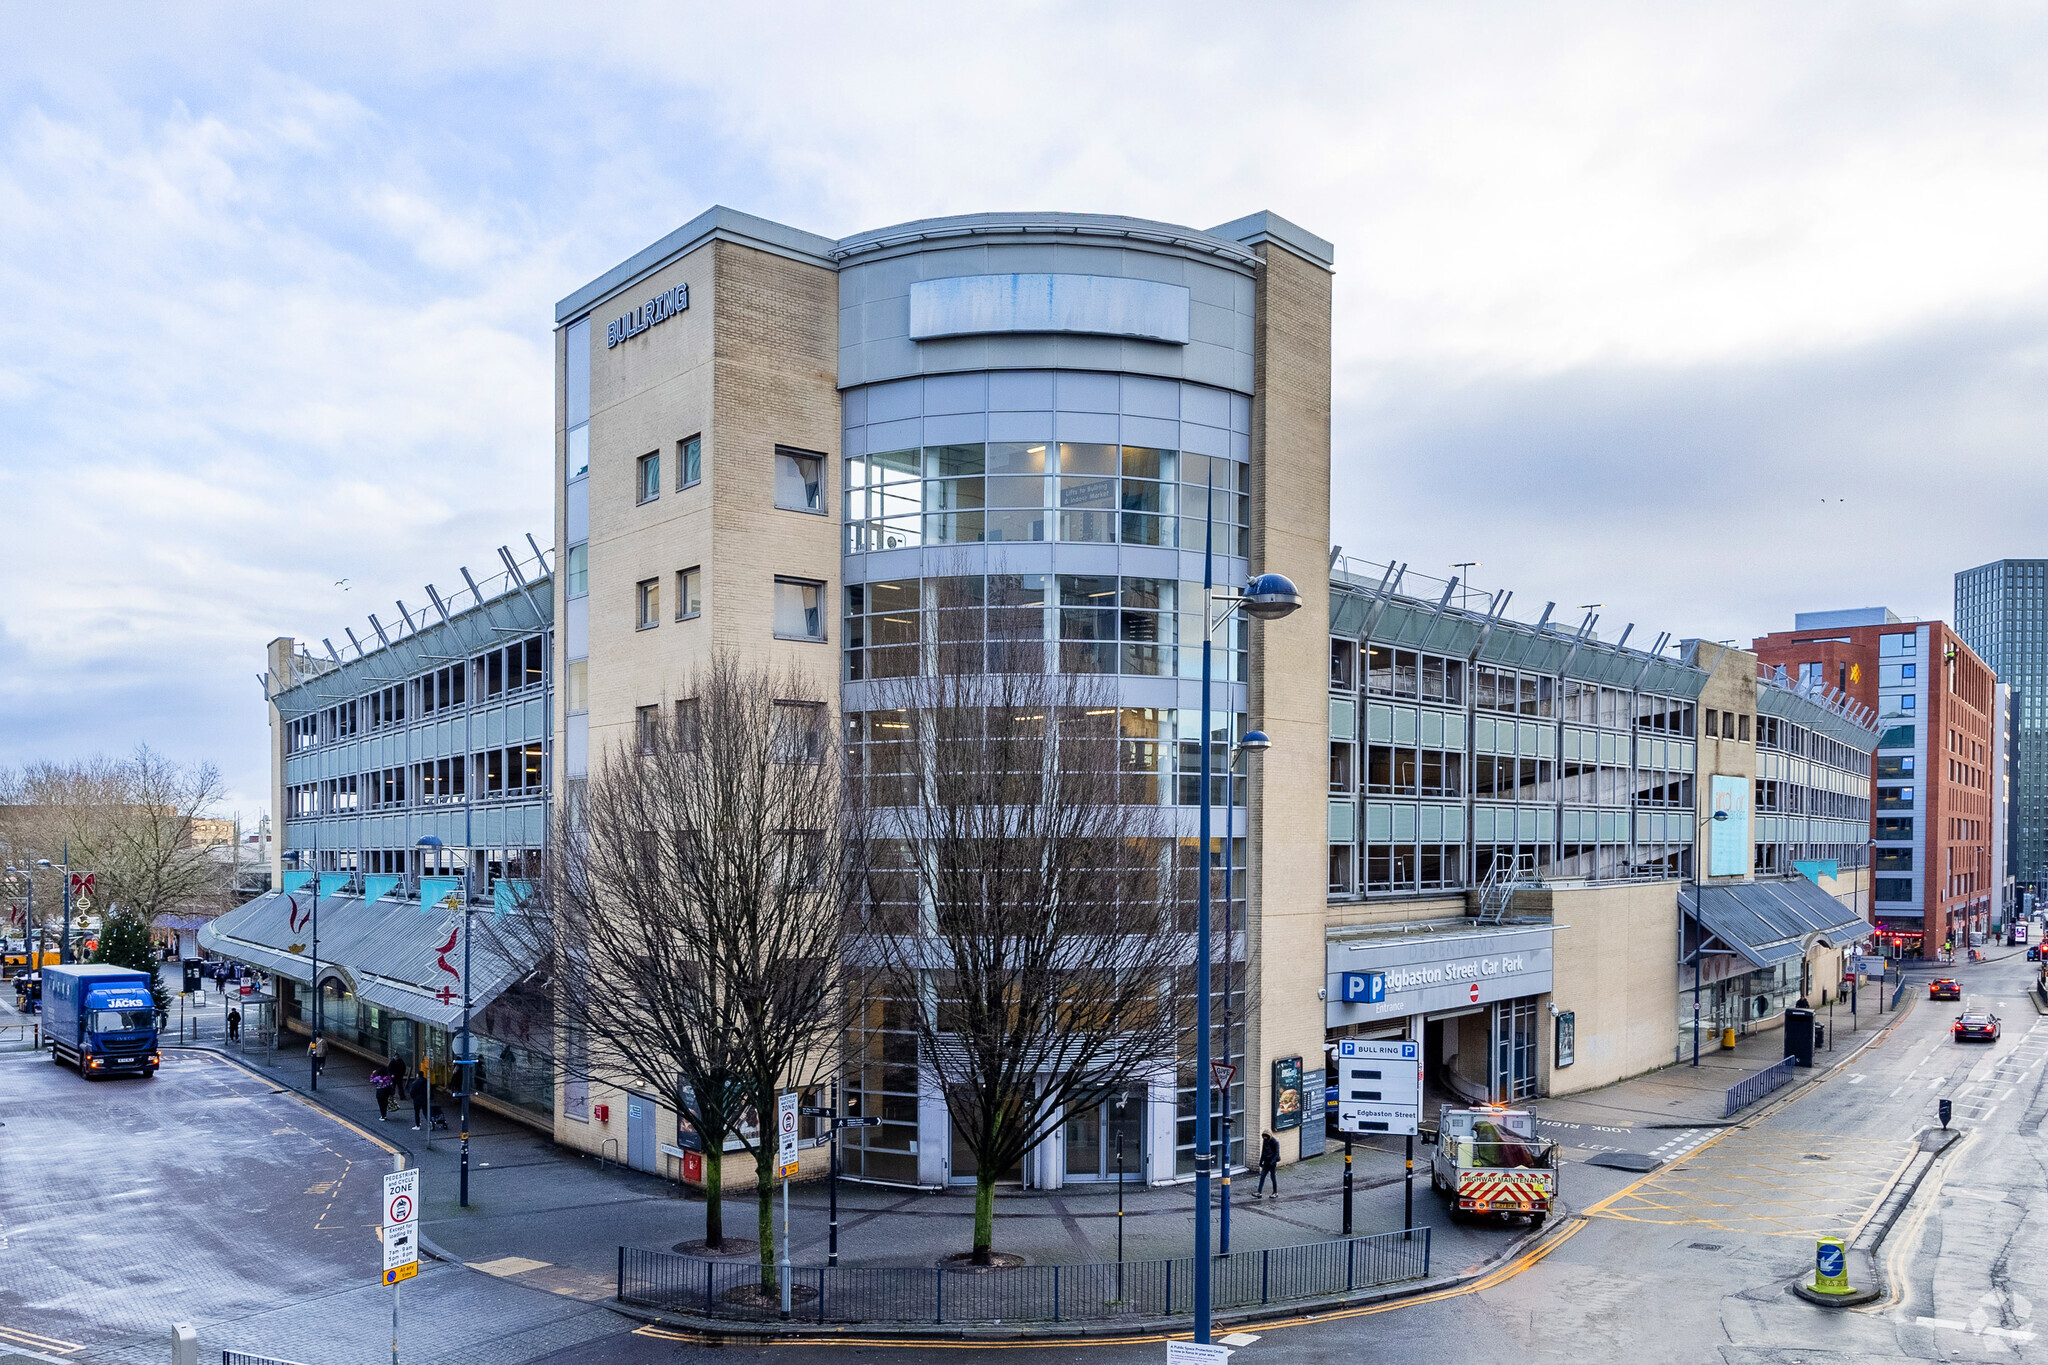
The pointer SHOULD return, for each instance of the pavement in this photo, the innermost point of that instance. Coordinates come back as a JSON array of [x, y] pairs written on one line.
[[568, 1214]]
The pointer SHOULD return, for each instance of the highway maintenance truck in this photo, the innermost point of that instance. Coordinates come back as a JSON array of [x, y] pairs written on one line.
[[100, 1019], [1488, 1162]]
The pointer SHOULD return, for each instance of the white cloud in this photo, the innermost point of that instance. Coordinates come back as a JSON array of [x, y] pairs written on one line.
[[281, 286]]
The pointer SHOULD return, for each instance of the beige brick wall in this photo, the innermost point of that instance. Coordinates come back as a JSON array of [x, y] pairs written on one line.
[[1288, 890], [1731, 686], [751, 364], [1614, 966]]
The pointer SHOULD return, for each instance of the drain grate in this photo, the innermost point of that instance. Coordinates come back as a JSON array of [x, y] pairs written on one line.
[[1815, 1156], [1705, 1246]]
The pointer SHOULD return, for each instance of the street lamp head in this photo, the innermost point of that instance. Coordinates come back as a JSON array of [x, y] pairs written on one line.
[[1255, 742], [42, 862], [431, 841], [1271, 596]]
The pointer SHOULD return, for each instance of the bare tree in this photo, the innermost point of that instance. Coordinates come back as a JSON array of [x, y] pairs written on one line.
[[1015, 888], [128, 821], [691, 907]]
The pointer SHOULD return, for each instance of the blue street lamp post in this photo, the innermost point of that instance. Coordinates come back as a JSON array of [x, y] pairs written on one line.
[[465, 1062], [1266, 598]]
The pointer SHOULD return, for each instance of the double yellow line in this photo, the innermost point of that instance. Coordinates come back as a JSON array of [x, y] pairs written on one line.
[[17, 1337], [1487, 1281]]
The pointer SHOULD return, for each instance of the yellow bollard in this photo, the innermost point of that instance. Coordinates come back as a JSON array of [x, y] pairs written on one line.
[[1831, 1267]]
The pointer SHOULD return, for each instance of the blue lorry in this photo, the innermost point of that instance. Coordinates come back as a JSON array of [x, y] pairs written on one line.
[[100, 1019]]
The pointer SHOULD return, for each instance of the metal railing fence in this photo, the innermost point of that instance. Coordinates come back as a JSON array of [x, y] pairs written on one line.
[[1750, 1089], [1038, 1293], [244, 1358]]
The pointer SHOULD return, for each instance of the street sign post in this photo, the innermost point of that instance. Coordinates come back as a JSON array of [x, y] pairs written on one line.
[[401, 1235], [786, 1108]]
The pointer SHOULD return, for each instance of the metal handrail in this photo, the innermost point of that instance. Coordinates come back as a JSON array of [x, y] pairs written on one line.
[[1750, 1089]]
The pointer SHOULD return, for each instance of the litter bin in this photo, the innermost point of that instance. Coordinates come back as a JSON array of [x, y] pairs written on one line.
[[1799, 1035]]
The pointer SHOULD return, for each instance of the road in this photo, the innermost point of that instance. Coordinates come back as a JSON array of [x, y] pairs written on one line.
[[248, 1212]]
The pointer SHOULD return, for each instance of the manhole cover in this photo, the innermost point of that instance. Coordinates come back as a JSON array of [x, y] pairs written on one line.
[[1705, 1246], [1815, 1156], [1625, 1161]]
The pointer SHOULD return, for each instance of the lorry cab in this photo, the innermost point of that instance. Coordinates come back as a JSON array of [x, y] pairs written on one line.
[[100, 1019]]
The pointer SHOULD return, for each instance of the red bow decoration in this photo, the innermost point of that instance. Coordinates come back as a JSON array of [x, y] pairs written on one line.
[[297, 919]]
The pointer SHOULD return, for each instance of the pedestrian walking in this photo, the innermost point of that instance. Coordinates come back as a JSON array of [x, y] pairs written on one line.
[[386, 1082], [234, 1026], [421, 1093], [1269, 1165], [318, 1047]]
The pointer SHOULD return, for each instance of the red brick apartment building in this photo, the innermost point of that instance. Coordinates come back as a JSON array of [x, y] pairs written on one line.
[[1931, 799]]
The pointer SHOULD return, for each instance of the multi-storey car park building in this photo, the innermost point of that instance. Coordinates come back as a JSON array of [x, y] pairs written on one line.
[[412, 775], [1537, 835], [1937, 803], [2002, 615], [793, 448]]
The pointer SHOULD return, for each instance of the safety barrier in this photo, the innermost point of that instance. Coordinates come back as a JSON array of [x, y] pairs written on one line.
[[1750, 1089], [1037, 1293]]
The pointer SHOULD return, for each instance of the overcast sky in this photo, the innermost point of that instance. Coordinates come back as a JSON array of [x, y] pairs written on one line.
[[1706, 313]]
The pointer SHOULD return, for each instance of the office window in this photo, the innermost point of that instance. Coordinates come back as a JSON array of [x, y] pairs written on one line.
[[646, 726], [579, 685], [649, 595], [579, 570], [689, 726], [689, 461], [800, 727], [799, 480], [799, 609], [1742, 722], [1713, 723], [689, 593], [650, 476], [1909, 702], [1909, 670]]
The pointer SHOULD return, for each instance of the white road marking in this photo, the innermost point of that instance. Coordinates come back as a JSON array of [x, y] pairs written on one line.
[[1856, 1080], [1951, 1325], [1895, 1094]]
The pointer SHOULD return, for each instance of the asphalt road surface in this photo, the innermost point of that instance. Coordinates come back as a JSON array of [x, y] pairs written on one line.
[[209, 1196]]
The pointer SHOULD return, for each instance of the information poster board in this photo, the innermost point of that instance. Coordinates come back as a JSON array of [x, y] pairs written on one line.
[[1286, 1094]]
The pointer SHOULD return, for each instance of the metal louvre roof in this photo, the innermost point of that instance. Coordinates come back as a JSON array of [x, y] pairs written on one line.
[[1410, 623], [1771, 922], [388, 950]]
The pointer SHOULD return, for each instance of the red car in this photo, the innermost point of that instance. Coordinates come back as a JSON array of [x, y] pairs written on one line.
[[1942, 988], [1975, 1026]]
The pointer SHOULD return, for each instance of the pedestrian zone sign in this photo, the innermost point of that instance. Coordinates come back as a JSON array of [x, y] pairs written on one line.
[[401, 1197], [785, 1134]]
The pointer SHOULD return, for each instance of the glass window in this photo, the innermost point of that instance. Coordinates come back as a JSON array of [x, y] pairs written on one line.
[[689, 461], [646, 725], [579, 685], [689, 593], [799, 480], [799, 609], [649, 594], [650, 476], [579, 570]]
